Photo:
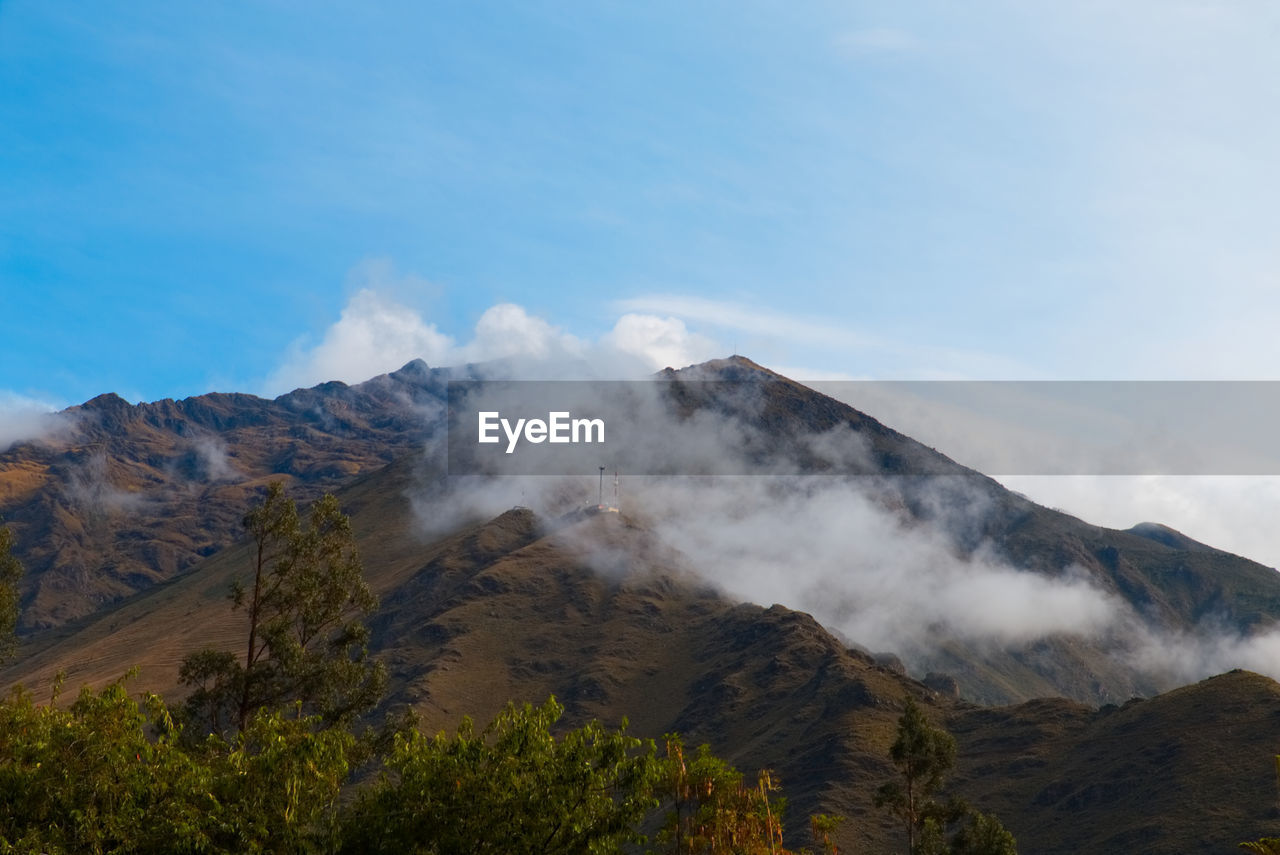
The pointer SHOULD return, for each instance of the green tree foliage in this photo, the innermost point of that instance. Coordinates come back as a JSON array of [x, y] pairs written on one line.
[[924, 756], [305, 642], [983, 834], [10, 573], [279, 784], [111, 775], [108, 775], [514, 788]]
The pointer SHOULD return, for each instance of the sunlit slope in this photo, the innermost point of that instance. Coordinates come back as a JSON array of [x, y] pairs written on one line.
[[598, 612], [119, 497], [590, 609]]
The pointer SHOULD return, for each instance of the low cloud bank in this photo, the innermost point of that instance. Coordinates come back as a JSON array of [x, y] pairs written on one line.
[[832, 548], [847, 550]]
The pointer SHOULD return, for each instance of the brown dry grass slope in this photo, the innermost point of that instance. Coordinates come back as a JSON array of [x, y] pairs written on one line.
[[594, 610]]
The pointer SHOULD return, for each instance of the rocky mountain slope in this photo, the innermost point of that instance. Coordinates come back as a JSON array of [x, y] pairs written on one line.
[[120, 497], [597, 611], [127, 497]]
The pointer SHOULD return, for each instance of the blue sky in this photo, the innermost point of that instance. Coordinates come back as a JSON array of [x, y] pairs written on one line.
[[198, 196], [254, 196]]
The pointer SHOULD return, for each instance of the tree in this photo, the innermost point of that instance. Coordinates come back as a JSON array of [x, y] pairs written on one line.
[[983, 834], [515, 788], [924, 755], [110, 775], [10, 573], [304, 641], [278, 788], [713, 810]]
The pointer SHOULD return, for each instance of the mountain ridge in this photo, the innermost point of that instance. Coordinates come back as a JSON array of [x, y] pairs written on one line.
[[124, 495], [143, 493]]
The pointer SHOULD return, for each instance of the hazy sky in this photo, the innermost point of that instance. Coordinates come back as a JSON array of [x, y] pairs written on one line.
[[253, 196]]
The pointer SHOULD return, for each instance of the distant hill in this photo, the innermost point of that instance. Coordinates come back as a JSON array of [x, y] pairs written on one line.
[[1188, 771]]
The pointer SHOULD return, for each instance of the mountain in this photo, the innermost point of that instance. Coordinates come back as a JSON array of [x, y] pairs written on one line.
[[595, 609], [1189, 771], [1163, 584], [128, 497], [123, 497]]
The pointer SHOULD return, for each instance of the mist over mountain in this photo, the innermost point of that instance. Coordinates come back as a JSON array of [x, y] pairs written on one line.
[[889, 543], [601, 611]]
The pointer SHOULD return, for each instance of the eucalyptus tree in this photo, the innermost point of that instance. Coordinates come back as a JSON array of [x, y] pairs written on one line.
[[303, 598]]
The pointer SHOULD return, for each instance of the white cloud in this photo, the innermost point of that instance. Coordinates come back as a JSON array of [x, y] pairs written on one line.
[[374, 335], [377, 333], [660, 342], [759, 321], [881, 581], [1235, 513], [91, 487], [767, 334], [507, 331], [23, 418]]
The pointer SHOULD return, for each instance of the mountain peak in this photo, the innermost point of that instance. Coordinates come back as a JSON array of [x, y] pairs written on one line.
[[732, 368], [414, 369], [108, 401], [1169, 537]]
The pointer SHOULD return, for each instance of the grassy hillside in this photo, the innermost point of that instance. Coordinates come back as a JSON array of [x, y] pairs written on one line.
[[123, 497], [594, 610], [1190, 771]]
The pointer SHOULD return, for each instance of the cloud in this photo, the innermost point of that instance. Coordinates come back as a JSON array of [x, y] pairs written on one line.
[[211, 461], [753, 320], [831, 547], [23, 419], [1231, 512], [846, 550], [373, 335], [659, 342], [91, 487], [766, 332], [1179, 658], [380, 329], [377, 333], [507, 331], [841, 548]]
